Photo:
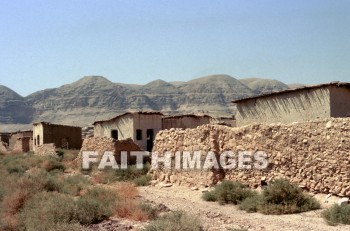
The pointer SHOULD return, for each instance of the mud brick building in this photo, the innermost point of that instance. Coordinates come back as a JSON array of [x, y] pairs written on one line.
[[63, 136], [21, 141], [141, 127], [185, 121], [301, 104]]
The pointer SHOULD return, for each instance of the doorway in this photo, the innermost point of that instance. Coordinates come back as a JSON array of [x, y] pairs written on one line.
[[150, 138]]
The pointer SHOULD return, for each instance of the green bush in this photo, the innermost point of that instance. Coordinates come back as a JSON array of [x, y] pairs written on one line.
[[94, 206], [74, 184], [251, 204], [282, 197], [46, 210], [175, 221], [109, 175], [51, 163], [20, 163], [229, 192], [142, 180], [149, 210], [337, 215], [208, 196], [69, 156]]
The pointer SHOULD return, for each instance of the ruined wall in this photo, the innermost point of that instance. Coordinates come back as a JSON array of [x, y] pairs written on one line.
[[4, 137], [17, 135], [315, 155], [308, 104], [45, 149], [23, 144], [3, 147], [186, 121], [103, 144]]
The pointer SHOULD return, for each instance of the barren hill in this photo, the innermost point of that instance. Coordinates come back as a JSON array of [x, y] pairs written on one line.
[[261, 86], [95, 97], [13, 107]]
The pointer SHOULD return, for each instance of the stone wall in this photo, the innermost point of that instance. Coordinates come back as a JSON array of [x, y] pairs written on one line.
[[46, 149], [103, 144], [314, 155]]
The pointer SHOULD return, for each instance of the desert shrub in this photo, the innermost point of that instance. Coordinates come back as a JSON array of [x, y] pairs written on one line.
[[229, 192], [74, 184], [69, 156], [46, 210], [149, 211], [208, 196], [127, 190], [109, 175], [142, 180], [128, 205], [96, 205], [60, 152], [337, 215], [51, 163], [283, 197], [175, 221], [20, 163], [251, 204]]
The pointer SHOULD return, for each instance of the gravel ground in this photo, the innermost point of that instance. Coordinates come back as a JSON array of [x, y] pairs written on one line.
[[223, 217]]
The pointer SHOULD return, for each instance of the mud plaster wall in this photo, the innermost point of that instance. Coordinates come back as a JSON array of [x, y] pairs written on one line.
[[290, 107]]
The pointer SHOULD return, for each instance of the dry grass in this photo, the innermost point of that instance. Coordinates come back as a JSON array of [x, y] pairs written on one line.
[[34, 192], [127, 190], [129, 206]]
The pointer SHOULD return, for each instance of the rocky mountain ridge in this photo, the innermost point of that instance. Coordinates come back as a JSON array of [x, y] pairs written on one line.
[[95, 97]]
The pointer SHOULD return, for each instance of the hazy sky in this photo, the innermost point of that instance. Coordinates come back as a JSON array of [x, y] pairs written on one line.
[[48, 43]]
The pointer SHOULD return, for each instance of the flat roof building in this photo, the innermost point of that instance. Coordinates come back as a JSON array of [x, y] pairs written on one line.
[[301, 104]]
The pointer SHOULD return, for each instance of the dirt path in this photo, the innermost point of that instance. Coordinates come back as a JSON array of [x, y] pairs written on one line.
[[219, 217]]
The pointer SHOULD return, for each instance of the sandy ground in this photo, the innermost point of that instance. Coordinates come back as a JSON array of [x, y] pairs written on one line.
[[223, 217]]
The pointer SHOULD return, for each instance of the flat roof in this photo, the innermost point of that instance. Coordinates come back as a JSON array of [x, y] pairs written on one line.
[[185, 115], [130, 113], [337, 84], [48, 123]]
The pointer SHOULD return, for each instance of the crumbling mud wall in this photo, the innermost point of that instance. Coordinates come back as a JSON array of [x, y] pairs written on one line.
[[315, 155], [104, 144], [3, 147], [46, 149], [23, 144]]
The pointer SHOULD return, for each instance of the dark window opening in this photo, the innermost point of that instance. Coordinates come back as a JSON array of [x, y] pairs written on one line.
[[114, 134], [38, 139], [138, 134]]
